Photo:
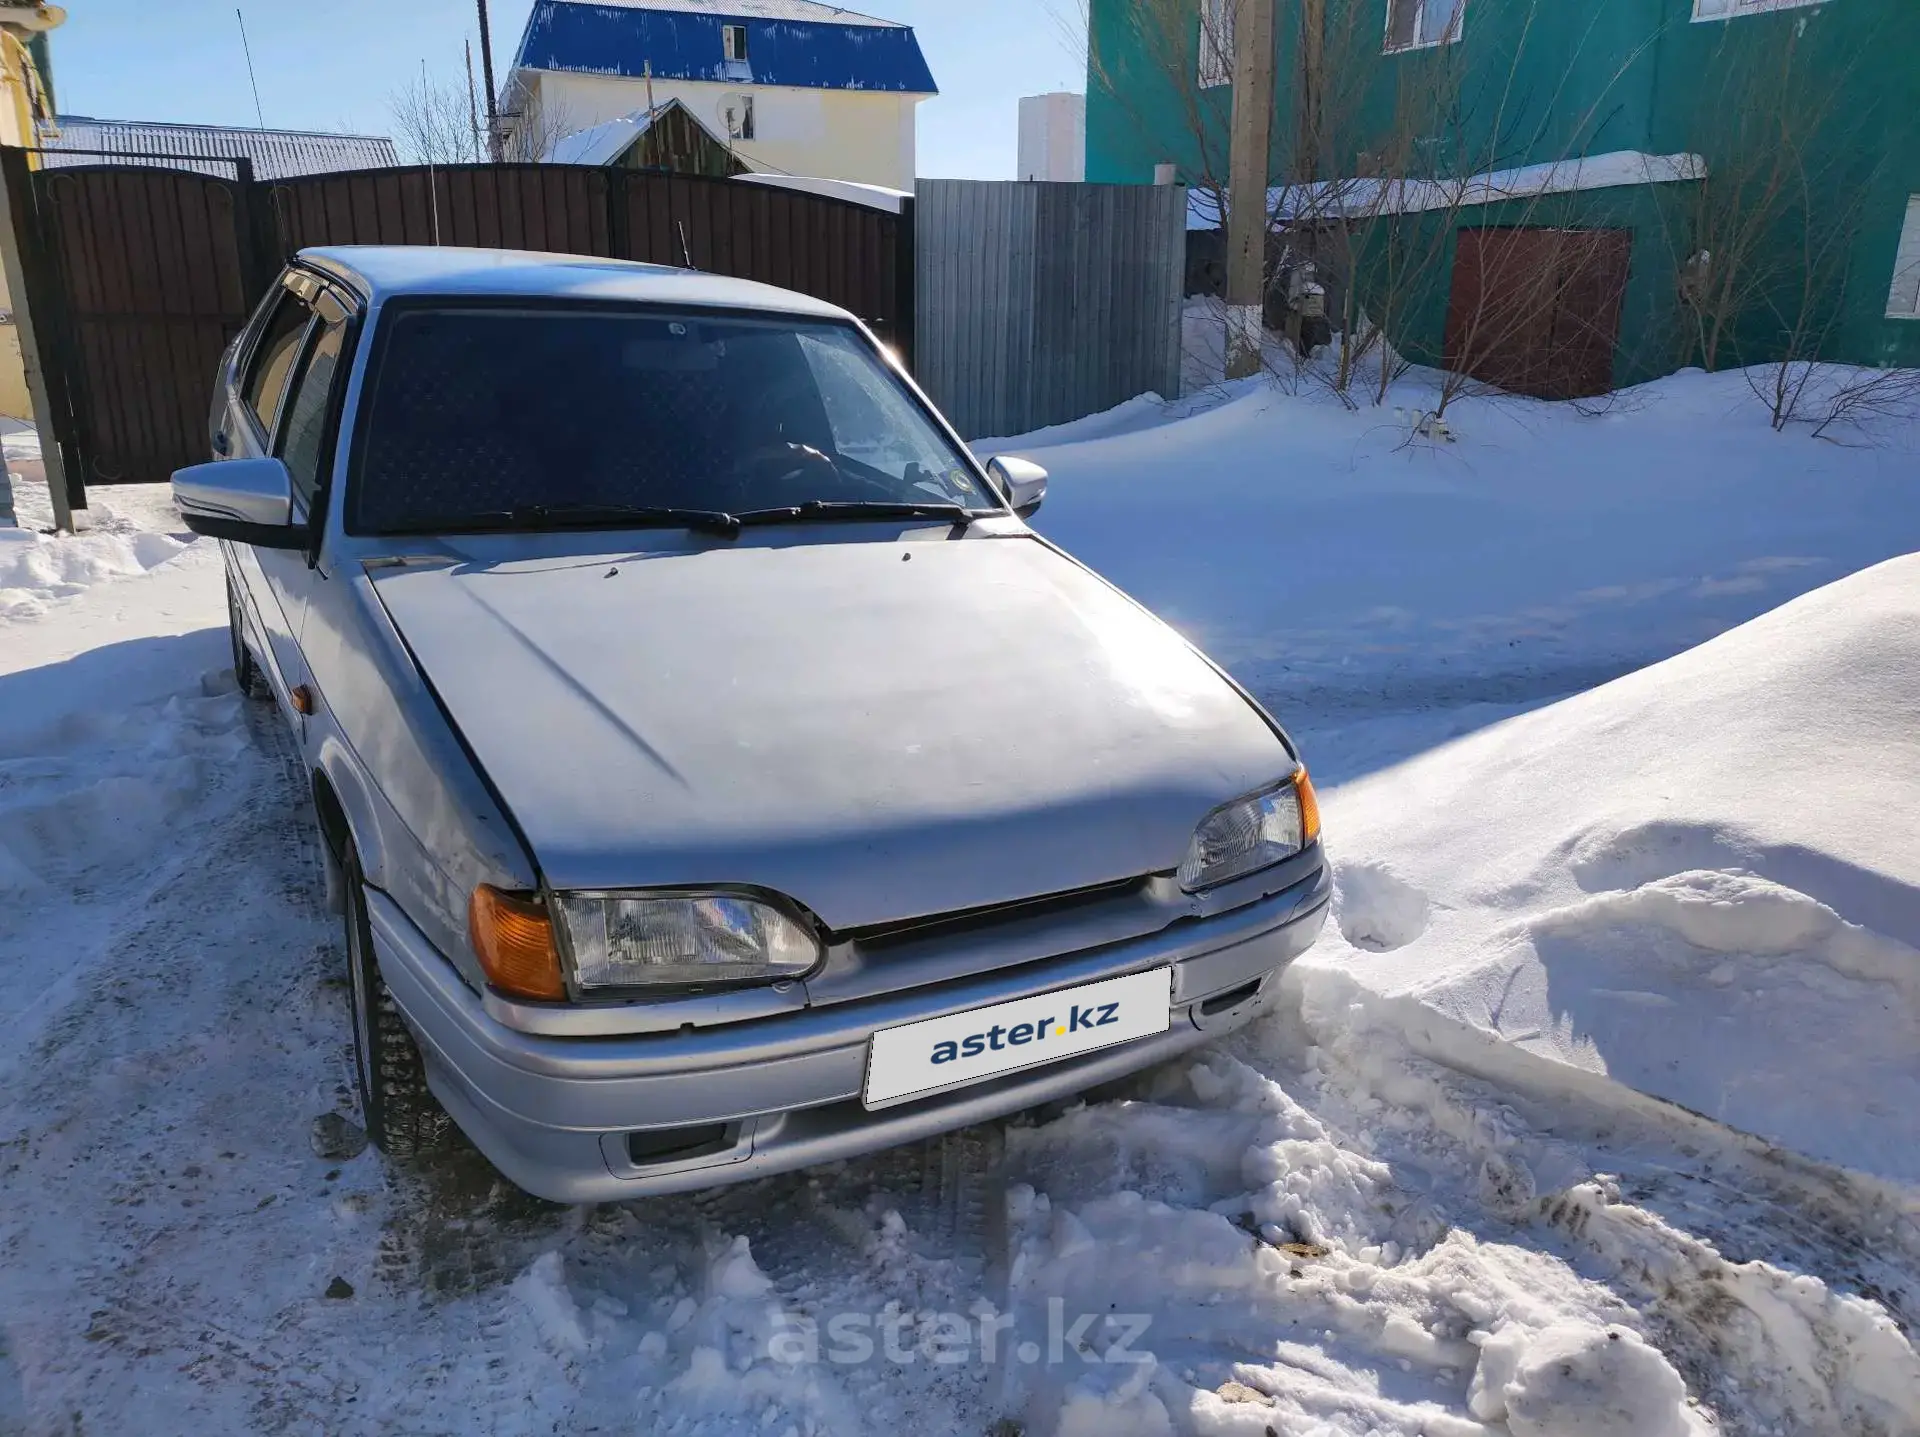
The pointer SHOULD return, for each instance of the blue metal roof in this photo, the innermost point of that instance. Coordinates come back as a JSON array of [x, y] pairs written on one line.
[[680, 42]]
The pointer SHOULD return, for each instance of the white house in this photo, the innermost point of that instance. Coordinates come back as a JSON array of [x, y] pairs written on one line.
[[1053, 137], [791, 86]]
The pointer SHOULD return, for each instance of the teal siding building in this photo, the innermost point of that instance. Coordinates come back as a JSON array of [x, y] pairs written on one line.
[[1798, 235]]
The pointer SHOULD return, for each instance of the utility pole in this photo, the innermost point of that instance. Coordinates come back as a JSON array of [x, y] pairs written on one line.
[[1249, 167], [486, 73], [1307, 161], [473, 108]]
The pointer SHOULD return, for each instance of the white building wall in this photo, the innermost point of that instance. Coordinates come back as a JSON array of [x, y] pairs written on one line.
[[859, 135], [1053, 138]]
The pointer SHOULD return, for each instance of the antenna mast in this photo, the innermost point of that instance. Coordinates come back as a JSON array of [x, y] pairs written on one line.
[[247, 50]]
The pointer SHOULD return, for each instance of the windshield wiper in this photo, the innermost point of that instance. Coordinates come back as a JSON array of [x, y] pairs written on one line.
[[706, 521], [827, 510], [636, 516]]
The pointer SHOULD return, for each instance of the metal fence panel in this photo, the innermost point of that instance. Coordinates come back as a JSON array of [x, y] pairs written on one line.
[[1039, 303]]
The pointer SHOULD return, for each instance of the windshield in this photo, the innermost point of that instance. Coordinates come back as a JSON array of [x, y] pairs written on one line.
[[529, 418]]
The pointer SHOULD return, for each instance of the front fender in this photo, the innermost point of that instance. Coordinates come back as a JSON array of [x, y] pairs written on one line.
[[425, 826], [334, 763]]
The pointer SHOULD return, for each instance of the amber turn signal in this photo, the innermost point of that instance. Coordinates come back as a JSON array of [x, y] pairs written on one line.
[[1309, 808], [514, 941]]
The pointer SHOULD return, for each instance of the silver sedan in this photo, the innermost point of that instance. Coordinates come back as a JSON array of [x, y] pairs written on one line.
[[717, 775]]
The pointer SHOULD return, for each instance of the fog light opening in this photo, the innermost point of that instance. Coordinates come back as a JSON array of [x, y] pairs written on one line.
[[1221, 1002], [672, 1145]]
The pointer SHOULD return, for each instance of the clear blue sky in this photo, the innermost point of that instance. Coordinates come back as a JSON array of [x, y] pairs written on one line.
[[334, 66]]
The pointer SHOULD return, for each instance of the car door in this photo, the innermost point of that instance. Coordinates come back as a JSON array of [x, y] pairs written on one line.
[[303, 440], [256, 394]]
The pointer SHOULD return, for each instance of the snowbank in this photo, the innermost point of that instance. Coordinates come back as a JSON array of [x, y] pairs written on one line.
[[131, 529], [1365, 198], [1343, 566], [1700, 881]]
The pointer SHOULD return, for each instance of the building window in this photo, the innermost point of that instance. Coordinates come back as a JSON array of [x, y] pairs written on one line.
[[1904, 302], [1418, 24], [1216, 43], [739, 116], [733, 40], [1727, 9]]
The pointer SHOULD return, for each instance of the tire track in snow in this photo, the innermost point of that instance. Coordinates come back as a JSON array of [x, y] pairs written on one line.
[[1779, 1291]]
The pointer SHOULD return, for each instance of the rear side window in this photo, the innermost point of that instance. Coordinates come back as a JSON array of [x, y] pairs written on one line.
[[273, 357], [304, 445]]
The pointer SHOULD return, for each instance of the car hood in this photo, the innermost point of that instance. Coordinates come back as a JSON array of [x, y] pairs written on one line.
[[880, 730]]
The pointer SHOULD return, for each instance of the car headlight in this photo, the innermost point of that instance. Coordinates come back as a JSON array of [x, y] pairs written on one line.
[[658, 940], [1252, 833]]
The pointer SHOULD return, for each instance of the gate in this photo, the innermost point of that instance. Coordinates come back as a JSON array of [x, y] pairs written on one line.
[[138, 277]]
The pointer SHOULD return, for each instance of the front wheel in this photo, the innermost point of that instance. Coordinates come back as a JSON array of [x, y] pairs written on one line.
[[402, 1116]]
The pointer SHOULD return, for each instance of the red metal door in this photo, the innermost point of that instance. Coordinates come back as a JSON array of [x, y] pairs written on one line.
[[1537, 311]]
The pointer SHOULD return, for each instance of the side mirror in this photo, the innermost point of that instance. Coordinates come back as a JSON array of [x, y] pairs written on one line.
[[249, 501], [1021, 482]]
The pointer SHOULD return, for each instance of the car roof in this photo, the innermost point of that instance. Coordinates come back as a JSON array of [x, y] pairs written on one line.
[[383, 272]]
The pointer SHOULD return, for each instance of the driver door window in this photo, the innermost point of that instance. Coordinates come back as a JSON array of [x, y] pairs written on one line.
[[273, 358], [303, 442]]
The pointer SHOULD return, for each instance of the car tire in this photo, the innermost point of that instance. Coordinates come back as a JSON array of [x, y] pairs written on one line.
[[246, 673], [402, 1117]]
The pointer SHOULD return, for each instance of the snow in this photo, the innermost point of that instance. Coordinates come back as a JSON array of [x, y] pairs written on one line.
[[874, 197], [1573, 1380], [601, 144], [1589, 1117], [1351, 567], [1699, 880], [1367, 197], [810, 11]]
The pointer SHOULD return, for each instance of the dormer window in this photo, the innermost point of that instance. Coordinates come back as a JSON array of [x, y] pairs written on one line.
[[733, 41]]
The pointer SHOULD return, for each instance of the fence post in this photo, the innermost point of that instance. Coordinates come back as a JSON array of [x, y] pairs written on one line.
[[905, 279], [256, 231], [619, 238], [23, 252]]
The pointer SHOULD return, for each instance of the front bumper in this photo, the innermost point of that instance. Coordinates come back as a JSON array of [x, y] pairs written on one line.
[[563, 1117]]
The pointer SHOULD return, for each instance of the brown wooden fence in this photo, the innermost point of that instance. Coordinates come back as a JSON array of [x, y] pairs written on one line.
[[138, 276]]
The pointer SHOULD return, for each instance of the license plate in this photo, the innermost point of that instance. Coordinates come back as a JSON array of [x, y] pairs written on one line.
[[961, 1048]]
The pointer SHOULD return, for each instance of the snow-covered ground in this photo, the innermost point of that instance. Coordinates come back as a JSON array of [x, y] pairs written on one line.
[[1345, 567], [1700, 881], [1444, 1191]]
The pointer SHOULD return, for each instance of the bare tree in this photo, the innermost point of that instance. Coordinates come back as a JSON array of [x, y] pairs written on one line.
[[1161, 54], [1765, 247], [1752, 229], [531, 124], [433, 124], [1379, 167]]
